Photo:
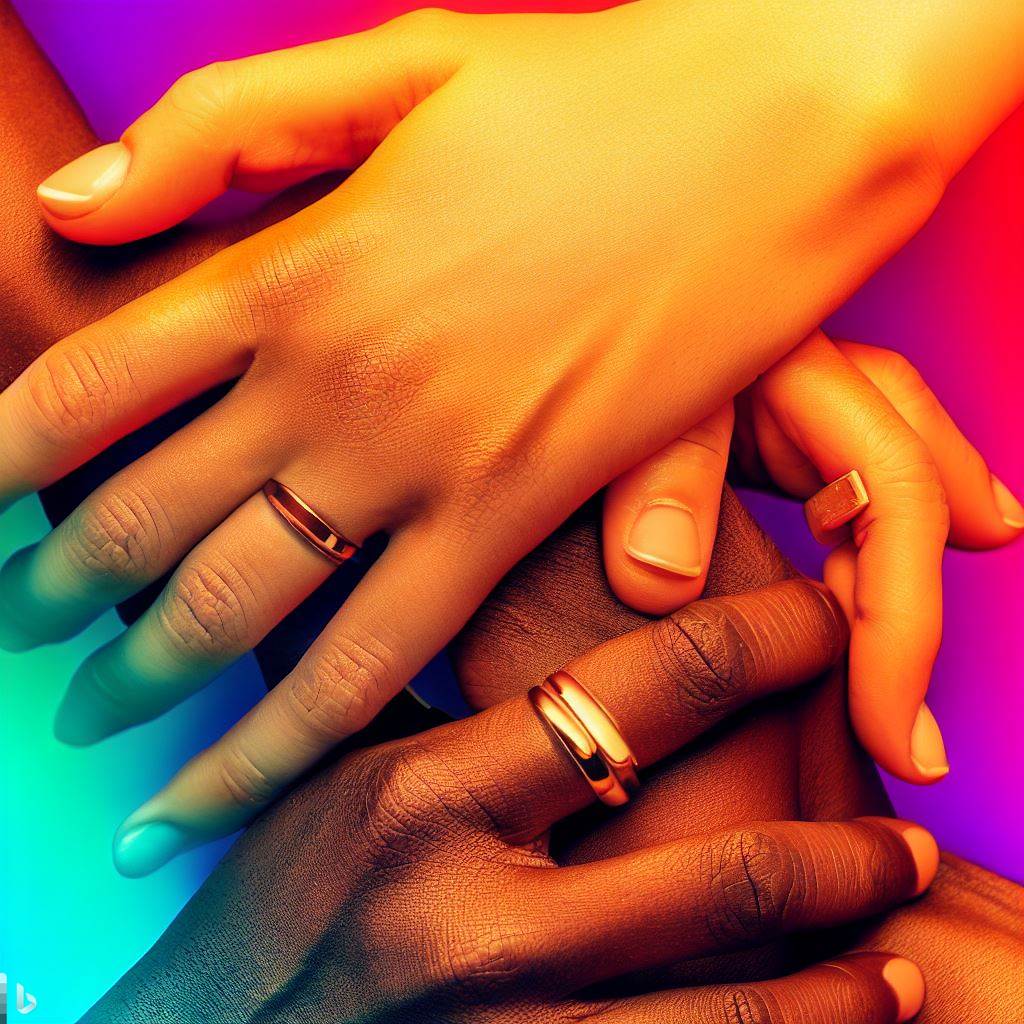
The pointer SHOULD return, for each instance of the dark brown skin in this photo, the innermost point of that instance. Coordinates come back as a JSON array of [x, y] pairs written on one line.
[[793, 758], [800, 751]]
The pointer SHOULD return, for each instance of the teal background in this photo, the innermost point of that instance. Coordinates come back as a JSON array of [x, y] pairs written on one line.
[[69, 924]]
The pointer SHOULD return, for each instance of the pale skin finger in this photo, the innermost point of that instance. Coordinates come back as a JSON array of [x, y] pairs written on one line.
[[660, 519], [225, 597], [830, 411], [319, 106], [136, 526], [983, 513], [361, 660]]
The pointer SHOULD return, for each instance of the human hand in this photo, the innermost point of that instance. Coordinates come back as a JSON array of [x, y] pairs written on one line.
[[555, 603], [395, 418], [966, 935], [427, 891], [824, 409], [49, 288]]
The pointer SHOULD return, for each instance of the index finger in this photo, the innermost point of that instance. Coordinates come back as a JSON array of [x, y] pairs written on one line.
[[106, 380]]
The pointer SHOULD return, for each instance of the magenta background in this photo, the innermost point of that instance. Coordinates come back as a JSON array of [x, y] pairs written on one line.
[[951, 300]]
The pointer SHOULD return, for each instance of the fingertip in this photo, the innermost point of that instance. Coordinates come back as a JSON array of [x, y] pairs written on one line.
[[1010, 509], [659, 565], [925, 851], [922, 846], [905, 979], [914, 754], [840, 577], [140, 848], [927, 748], [81, 720], [84, 185], [665, 537]]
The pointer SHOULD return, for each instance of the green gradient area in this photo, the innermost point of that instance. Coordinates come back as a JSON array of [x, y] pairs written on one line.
[[69, 924]]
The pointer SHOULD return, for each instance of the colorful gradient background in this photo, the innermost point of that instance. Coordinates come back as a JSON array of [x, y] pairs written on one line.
[[952, 300]]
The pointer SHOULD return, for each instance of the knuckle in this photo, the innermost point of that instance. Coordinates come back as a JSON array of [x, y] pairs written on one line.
[[750, 884], [903, 462], [705, 656], [741, 1005], [415, 804], [73, 392], [202, 97], [115, 536], [246, 784], [203, 610], [343, 686], [483, 959], [897, 375], [424, 22]]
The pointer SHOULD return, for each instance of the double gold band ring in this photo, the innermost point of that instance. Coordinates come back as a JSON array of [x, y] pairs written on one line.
[[590, 736], [835, 505], [307, 523]]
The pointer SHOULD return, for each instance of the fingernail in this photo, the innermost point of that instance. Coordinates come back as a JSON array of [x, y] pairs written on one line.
[[921, 843], [925, 852], [1009, 507], [82, 719], [144, 848], [85, 184], [665, 535], [927, 750], [907, 983]]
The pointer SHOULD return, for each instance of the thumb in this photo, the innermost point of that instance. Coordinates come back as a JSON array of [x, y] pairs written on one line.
[[661, 517], [260, 123]]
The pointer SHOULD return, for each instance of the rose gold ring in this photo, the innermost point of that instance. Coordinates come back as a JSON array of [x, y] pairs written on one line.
[[590, 736], [835, 505], [307, 524]]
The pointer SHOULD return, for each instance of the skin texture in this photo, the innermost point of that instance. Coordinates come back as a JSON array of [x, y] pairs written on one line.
[[374, 391], [233, 927], [40, 267]]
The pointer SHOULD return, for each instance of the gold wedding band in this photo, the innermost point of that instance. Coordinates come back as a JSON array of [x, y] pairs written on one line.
[[835, 505], [590, 736], [307, 523]]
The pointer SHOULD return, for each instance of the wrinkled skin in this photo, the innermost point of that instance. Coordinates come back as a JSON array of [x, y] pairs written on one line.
[[962, 933], [242, 929], [965, 933]]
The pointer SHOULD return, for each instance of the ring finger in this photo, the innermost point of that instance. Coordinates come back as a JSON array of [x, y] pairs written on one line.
[[230, 591]]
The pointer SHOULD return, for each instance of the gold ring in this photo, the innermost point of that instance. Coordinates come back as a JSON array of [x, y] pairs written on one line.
[[307, 523], [835, 505], [590, 736]]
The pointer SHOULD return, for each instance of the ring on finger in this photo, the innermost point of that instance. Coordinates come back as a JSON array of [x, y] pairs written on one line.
[[590, 736], [308, 524], [836, 504]]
